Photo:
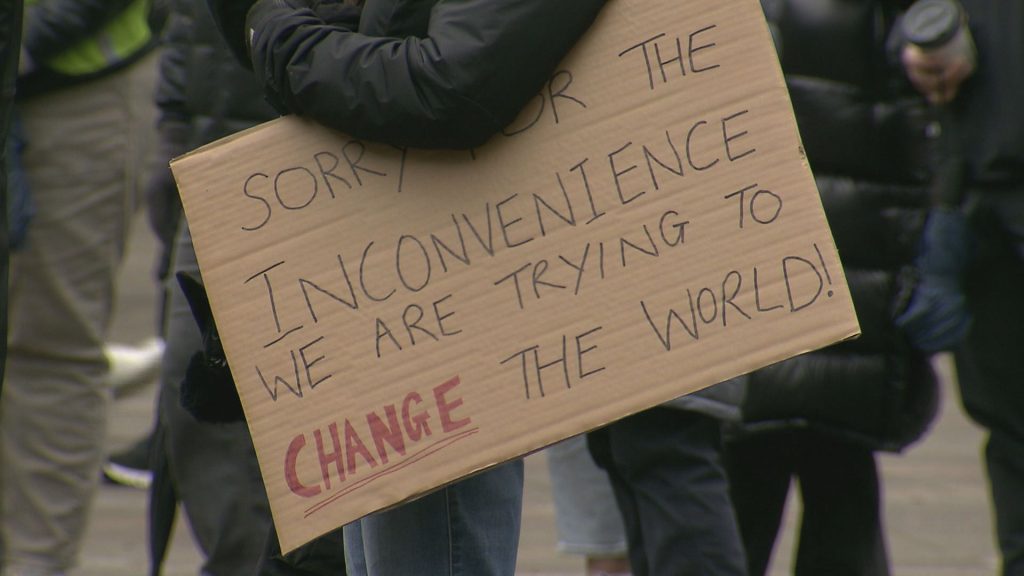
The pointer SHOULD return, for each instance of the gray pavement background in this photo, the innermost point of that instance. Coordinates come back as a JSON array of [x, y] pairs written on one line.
[[936, 503]]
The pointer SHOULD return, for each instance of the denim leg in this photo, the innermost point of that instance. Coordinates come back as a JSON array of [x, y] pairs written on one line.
[[355, 554], [587, 518], [470, 528]]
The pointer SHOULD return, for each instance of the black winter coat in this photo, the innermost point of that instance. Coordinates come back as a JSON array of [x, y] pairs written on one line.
[[202, 87], [990, 363], [10, 42], [420, 73], [993, 117], [863, 129], [203, 93]]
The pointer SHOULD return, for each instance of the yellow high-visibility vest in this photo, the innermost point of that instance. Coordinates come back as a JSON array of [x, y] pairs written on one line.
[[116, 41]]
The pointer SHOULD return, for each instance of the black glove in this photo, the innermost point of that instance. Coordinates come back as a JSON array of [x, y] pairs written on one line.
[[208, 391], [935, 315]]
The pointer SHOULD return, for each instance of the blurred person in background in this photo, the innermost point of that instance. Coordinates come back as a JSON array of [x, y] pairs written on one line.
[[819, 418], [209, 468], [135, 365], [984, 93], [10, 47], [587, 518], [667, 473], [84, 103]]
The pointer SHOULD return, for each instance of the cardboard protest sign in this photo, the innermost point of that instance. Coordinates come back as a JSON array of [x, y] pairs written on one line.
[[398, 319]]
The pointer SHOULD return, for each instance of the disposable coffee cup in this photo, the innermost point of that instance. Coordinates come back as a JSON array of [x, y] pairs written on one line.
[[939, 27]]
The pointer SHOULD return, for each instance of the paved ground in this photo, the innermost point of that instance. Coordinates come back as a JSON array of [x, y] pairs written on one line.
[[937, 509]]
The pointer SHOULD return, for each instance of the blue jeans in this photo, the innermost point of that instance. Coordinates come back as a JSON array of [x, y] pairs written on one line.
[[470, 528]]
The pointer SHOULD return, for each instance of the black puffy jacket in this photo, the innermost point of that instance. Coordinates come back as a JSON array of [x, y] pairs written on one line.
[[421, 73], [863, 128]]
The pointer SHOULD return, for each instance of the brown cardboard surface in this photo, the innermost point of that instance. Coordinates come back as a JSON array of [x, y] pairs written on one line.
[[398, 319]]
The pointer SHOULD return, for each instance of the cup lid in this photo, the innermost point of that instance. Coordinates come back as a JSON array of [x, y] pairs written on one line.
[[931, 23]]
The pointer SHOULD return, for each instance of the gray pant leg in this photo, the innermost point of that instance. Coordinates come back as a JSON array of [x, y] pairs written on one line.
[[213, 466], [1004, 457]]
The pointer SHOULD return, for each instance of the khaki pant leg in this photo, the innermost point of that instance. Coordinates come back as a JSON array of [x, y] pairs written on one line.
[[86, 148]]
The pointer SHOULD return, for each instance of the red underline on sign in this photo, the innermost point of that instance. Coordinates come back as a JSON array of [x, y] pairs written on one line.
[[426, 451]]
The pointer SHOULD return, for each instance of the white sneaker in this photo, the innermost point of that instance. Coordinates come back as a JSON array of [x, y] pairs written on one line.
[[131, 466], [29, 571], [126, 476], [132, 366]]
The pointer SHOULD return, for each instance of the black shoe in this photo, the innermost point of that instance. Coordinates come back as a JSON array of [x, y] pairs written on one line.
[[130, 467]]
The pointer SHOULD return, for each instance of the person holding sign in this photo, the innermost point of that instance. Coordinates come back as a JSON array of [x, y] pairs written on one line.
[[983, 91], [428, 74], [820, 417]]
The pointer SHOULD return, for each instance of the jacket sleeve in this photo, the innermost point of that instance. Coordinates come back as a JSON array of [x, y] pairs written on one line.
[[51, 26], [480, 62], [171, 81]]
